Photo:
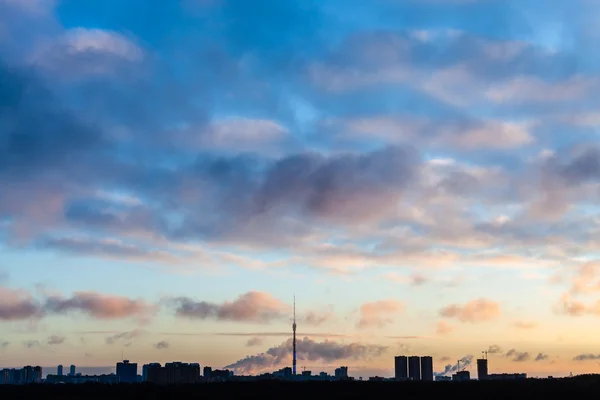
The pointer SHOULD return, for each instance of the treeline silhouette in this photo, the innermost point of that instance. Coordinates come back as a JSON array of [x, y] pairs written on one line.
[[525, 389]]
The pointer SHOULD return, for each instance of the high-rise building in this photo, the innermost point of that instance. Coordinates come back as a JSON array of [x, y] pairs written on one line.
[[72, 370], [414, 368], [146, 368], [37, 374], [482, 368], [59, 370], [127, 372], [426, 368], [401, 367], [155, 373], [207, 372], [341, 373], [182, 373]]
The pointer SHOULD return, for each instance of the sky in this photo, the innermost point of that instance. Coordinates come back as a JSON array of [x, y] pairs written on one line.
[[423, 176]]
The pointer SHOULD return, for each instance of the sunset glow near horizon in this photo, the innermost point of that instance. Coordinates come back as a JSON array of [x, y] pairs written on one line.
[[423, 175]]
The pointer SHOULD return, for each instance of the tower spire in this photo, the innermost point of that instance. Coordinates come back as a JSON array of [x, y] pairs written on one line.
[[294, 339]]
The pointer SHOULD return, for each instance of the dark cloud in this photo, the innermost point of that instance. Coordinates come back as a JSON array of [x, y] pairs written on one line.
[[38, 134], [582, 166], [249, 307], [56, 340], [307, 350], [4, 345], [255, 341], [161, 345], [495, 349], [586, 357], [541, 357], [31, 344], [517, 356]]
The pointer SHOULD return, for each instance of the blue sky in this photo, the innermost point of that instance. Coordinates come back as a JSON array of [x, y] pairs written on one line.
[[422, 175]]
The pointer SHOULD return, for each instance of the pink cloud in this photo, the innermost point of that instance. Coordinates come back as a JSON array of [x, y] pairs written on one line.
[[100, 306], [379, 313], [473, 311], [17, 305], [444, 328]]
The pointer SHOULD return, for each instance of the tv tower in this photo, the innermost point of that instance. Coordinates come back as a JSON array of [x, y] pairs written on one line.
[[294, 340]]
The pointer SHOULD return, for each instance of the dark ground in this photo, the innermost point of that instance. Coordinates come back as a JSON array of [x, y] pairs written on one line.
[[569, 388]]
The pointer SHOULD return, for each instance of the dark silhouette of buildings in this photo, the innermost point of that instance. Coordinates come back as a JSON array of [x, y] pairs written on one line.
[[206, 373], [127, 372], [111, 379], [401, 367], [378, 388], [501, 377], [221, 374], [461, 376], [72, 370], [23, 376], [427, 368], [174, 373], [59, 370], [414, 368]]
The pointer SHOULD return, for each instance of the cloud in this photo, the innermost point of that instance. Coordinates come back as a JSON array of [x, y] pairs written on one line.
[[99, 305], [574, 308], [17, 305], [4, 345], [379, 313], [525, 325], [129, 335], [88, 52], [56, 340], [255, 341], [161, 345], [586, 357], [309, 351], [236, 134], [249, 307], [313, 318], [443, 328], [479, 310], [517, 356], [31, 344], [465, 134], [414, 280], [260, 334], [541, 357], [495, 349]]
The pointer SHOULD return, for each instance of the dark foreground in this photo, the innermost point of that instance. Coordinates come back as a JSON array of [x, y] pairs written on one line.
[[527, 389]]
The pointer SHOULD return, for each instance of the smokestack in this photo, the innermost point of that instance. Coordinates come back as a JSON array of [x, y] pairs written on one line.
[[294, 340]]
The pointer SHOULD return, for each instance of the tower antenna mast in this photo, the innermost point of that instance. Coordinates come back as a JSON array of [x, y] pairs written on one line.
[[294, 340]]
